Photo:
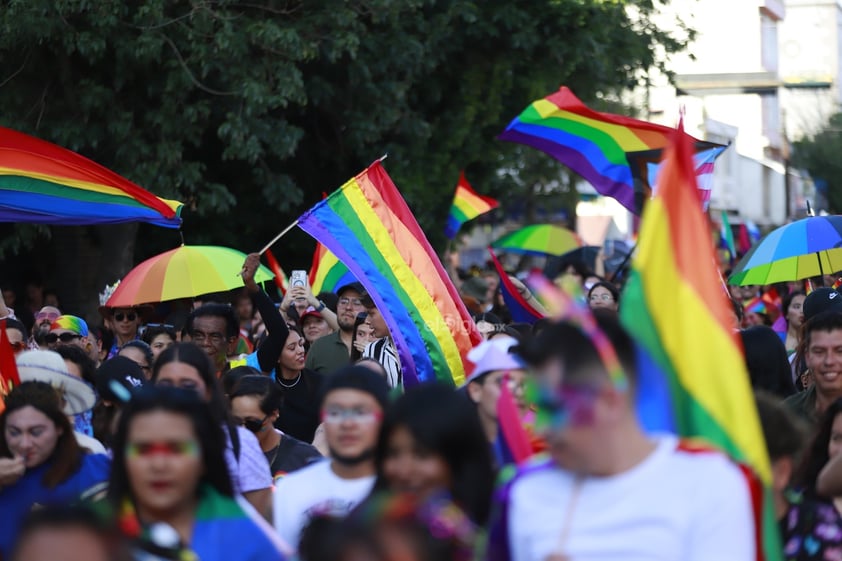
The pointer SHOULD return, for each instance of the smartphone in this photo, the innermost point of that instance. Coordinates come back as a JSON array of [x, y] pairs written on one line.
[[298, 278]]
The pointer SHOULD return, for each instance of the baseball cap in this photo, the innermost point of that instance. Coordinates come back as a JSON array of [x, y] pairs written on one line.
[[356, 285], [309, 312], [493, 355], [822, 300], [117, 378]]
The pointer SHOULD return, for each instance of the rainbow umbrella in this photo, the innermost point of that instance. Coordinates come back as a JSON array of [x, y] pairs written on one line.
[[44, 183], [539, 239], [806, 248], [185, 272]]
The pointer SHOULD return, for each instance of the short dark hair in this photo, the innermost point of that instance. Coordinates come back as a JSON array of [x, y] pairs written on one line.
[[824, 321], [357, 378], [567, 342], [12, 323], [262, 387], [143, 347], [66, 457], [607, 286], [783, 431], [152, 331], [208, 432], [55, 517], [229, 379], [80, 358], [215, 309]]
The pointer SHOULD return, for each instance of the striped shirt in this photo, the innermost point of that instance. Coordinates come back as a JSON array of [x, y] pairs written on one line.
[[384, 351]]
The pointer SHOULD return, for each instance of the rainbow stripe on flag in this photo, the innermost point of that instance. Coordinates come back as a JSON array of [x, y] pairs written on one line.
[[467, 205], [47, 184], [328, 273], [692, 347], [369, 227], [592, 144], [519, 308]]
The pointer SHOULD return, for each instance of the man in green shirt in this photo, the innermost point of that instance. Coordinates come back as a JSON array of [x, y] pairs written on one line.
[[331, 352]]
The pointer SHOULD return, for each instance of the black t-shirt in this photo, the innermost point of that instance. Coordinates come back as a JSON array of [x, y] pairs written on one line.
[[299, 409], [290, 455]]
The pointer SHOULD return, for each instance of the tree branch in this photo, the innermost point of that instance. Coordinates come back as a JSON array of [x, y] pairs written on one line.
[[193, 79]]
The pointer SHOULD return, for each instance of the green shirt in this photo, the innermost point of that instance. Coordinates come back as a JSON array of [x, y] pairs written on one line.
[[803, 404], [328, 354]]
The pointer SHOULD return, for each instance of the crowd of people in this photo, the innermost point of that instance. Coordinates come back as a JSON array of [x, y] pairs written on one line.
[[248, 430]]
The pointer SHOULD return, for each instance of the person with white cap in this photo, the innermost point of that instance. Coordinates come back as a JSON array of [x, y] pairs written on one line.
[[494, 365], [77, 395]]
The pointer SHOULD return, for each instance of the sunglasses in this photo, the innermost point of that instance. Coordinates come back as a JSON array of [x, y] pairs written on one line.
[[120, 316], [64, 337], [253, 425], [51, 317]]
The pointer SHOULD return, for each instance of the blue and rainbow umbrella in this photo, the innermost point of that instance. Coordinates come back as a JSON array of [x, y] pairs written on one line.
[[809, 247]]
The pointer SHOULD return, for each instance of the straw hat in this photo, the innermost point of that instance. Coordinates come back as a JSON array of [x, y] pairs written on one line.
[[49, 367]]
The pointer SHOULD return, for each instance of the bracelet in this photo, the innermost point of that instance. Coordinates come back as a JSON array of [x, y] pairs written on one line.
[[321, 306]]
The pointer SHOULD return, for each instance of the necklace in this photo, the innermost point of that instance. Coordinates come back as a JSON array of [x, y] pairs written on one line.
[[292, 385], [276, 449]]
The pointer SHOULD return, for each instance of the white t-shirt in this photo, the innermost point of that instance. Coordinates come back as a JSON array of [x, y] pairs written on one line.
[[676, 504], [314, 490]]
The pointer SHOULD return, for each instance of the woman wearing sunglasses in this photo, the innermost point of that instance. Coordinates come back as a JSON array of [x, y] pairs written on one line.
[[186, 366], [40, 461], [254, 403], [169, 470]]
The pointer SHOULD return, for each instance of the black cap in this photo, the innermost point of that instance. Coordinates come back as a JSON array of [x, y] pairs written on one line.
[[351, 286], [357, 378], [117, 378], [822, 300]]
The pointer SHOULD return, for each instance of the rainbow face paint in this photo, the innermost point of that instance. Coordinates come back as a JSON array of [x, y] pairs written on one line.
[[560, 407], [144, 449]]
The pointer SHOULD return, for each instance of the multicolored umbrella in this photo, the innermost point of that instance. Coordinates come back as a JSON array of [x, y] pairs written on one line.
[[806, 248], [539, 239], [184, 272], [44, 183]]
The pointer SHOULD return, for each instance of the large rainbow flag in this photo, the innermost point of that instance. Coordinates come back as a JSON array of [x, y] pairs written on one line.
[[328, 273], [370, 228], [467, 205], [688, 338], [47, 184], [593, 144]]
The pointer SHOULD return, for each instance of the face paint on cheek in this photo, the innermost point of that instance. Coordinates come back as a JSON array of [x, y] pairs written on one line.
[[558, 408]]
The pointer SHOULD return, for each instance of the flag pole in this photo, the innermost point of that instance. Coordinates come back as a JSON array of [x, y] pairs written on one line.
[[294, 224]]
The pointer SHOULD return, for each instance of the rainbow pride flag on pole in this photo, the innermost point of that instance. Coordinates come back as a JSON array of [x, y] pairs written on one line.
[[467, 205], [328, 273], [593, 144], [370, 228], [688, 339], [46, 184]]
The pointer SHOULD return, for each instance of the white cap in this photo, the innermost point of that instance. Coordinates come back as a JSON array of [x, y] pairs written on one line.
[[493, 355]]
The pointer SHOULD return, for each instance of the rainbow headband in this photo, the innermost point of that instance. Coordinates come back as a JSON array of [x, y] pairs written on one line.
[[71, 323]]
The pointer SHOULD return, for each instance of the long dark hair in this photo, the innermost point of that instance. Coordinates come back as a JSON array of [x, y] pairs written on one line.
[[767, 362], [444, 423], [66, 457], [817, 455], [182, 402], [194, 356]]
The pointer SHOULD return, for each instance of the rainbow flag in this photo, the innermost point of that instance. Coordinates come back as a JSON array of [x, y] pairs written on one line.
[[727, 235], [328, 273], [519, 308], [9, 377], [47, 184], [593, 144], [370, 228], [467, 205], [693, 346]]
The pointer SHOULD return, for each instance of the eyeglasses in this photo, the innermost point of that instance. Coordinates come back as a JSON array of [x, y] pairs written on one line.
[[200, 336], [361, 416], [252, 425], [602, 297], [64, 337], [120, 316], [350, 302], [49, 316], [186, 448]]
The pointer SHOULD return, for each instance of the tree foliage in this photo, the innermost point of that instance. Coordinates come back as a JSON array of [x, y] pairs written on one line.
[[819, 155], [248, 110]]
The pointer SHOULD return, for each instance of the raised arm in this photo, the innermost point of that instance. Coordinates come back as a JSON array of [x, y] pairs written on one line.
[[270, 350]]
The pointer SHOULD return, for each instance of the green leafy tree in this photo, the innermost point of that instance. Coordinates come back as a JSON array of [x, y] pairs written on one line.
[[819, 156], [249, 111]]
